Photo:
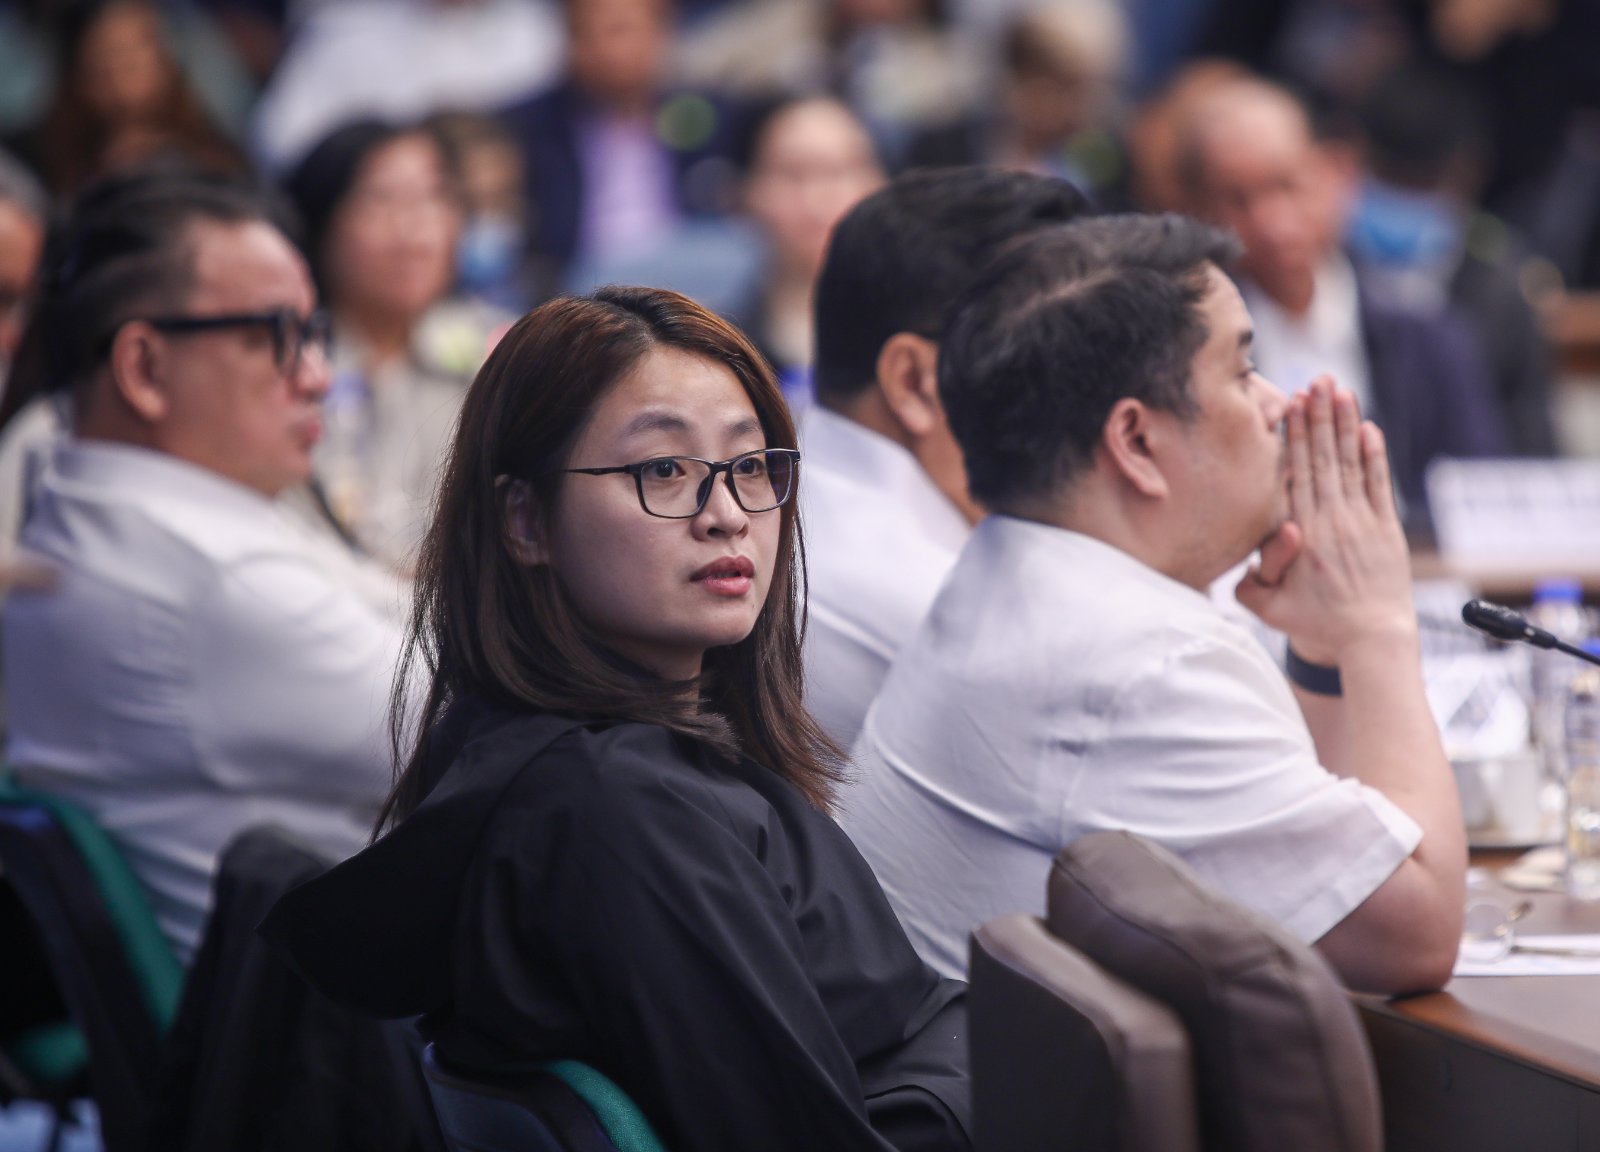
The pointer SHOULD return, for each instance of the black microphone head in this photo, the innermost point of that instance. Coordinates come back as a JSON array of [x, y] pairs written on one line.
[[1496, 620]]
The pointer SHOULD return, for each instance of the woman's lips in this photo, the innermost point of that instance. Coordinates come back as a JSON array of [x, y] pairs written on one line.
[[727, 576]]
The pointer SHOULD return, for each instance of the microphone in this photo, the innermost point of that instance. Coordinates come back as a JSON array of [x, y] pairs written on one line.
[[1503, 624]]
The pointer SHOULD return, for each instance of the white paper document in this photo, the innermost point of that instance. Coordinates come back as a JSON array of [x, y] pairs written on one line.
[[1540, 956]]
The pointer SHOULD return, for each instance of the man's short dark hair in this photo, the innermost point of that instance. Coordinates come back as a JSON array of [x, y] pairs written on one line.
[[1062, 326], [900, 258], [123, 246]]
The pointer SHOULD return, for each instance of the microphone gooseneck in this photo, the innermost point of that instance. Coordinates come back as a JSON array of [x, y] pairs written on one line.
[[1502, 623]]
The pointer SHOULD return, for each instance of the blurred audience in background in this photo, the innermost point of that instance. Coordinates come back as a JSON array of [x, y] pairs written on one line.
[[121, 100], [1155, 183], [616, 156], [402, 60], [493, 263], [1056, 109], [901, 64], [24, 209], [1250, 162], [1422, 245], [807, 162], [381, 213]]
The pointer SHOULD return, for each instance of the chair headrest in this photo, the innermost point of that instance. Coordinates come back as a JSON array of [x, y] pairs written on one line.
[[1281, 1058]]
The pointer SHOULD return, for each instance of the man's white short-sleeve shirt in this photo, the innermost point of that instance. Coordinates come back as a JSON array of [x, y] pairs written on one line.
[[1060, 687]]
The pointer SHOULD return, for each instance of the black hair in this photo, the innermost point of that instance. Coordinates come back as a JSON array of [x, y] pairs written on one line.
[[1417, 121], [123, 245], [1059, 328], [899, 259]]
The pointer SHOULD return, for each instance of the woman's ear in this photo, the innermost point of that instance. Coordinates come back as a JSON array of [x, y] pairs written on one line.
[[520, 521], [1131, 440]]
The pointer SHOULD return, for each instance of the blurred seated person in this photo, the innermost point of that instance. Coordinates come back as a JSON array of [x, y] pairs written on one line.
[[1074, 675], [256, 31], [1252, 164], [615, 158], [200, 666], [401, 60], [1055, 113], [807, 163], [616, 794], [886, 502], [1155, 180], [1422, 245], [24, 212], [121, 101], [899, 64], [381, 216], [492, 260], [27, 424]]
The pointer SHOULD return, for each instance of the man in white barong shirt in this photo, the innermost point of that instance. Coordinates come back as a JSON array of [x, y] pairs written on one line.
[[1073, 675], [884, 502], [201, 664]]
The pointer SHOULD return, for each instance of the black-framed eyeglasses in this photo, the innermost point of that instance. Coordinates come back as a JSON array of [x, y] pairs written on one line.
[[292, 333], [677, 487]]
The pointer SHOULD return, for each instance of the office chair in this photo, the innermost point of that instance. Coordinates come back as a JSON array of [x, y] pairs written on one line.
[[1280, 1057], [563, 1106], [1064, 1055], [256, 1059], [116, 973]]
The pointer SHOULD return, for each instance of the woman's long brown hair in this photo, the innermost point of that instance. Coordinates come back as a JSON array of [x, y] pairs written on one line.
[[485, 624]]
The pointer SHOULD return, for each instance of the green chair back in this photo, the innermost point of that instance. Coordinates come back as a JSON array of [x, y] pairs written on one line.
[[614, 1108], [157, 971]]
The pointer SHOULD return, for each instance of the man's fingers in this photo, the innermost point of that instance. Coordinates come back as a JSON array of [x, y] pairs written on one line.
[[1302, 503], [1347, 429], [1278, 552], [1325, 481], [1375, 462]]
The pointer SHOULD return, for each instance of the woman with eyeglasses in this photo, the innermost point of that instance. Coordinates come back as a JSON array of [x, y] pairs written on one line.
[[611, 839]]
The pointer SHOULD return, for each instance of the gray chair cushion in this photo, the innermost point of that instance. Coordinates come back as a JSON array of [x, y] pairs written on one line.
[[1065, 1056], [1280, 1056]]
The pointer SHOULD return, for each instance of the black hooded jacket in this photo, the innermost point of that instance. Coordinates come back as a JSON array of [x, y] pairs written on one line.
[[617, 894]]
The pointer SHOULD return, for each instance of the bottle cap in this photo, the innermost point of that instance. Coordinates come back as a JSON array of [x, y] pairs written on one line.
[[1561, 589]]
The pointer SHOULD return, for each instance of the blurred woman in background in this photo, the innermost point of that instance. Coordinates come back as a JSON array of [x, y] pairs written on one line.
[[121, 101], [381, 216], [807, 163]]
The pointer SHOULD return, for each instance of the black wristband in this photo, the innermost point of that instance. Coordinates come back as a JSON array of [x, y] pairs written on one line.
[[1320, 679]]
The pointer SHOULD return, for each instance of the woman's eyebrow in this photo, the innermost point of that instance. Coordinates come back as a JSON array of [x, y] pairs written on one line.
[[655, 420]]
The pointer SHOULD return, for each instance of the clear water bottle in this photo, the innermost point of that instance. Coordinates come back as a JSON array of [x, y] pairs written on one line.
[[1583, 785], [1558, 609]]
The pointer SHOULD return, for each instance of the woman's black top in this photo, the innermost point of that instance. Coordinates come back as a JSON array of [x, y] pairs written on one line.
[[692, 927]]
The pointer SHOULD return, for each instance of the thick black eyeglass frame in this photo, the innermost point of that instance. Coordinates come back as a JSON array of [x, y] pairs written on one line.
[[314, 329], [716, 466]]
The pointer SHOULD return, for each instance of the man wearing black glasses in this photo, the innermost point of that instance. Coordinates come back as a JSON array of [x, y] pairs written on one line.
[[202, 665]]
